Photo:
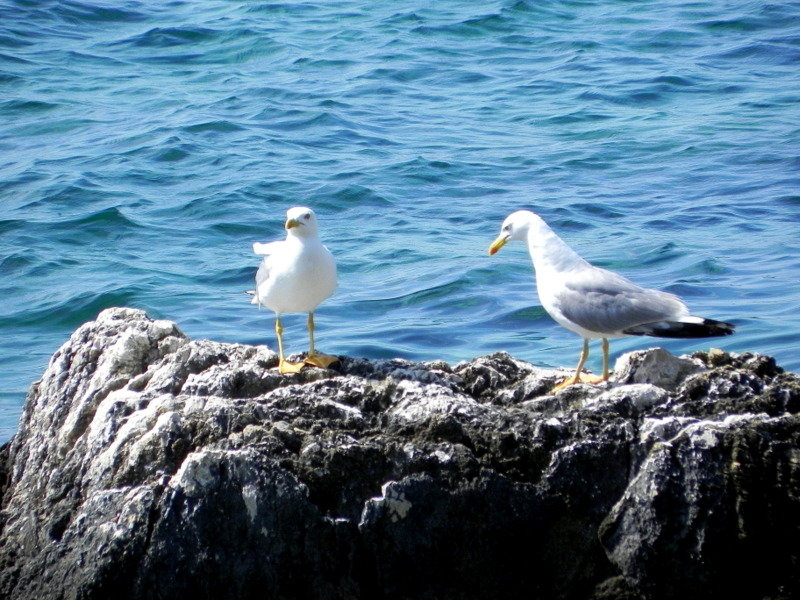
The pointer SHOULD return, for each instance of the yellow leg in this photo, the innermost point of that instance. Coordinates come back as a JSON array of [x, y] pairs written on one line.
[[318, 360], [284, 366], [579, 376]]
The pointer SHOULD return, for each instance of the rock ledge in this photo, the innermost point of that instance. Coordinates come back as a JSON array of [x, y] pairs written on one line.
[[148, 465]]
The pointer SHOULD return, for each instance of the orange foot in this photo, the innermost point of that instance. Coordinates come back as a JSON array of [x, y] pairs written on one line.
[[579, 378], [289, 367], [320, 360]]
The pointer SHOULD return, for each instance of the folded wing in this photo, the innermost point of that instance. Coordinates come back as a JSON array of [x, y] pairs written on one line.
[[602, 301]]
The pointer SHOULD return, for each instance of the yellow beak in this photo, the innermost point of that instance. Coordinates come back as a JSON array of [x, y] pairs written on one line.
[[292, 223], [501, 241]]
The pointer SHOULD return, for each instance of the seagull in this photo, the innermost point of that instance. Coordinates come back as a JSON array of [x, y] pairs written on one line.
[[296, 275], [594, 302]]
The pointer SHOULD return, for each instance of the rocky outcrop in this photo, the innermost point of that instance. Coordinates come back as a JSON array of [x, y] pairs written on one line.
[[148, 465]]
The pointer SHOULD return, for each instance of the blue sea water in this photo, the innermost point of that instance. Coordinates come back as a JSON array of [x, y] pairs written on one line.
[[146, 145]]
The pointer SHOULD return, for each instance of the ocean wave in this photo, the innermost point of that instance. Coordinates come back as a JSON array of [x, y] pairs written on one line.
[[83, 12], [168, 37], [26, 106], [71, 310], [89, 229]]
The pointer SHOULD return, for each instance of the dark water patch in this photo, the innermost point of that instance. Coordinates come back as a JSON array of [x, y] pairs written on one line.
[[687, 289], [218, 206], [476, 191], [169, 37], [790, 200], [604, 211], [106, 224], [43, 268], [177, 59], [52, 127], [347, 175], [579, 116], [468, 29], [238, 230], [222, 126], [9, 78], [673, 81], [278, 94], [311, 121], [14, 60], [403, 18], [7, 41], [13, 107], [708, 266], [243, 276], [21, 182], [77, 13], [283, 8], [492, 23], [736, 25], [421, 169], [399, 75], [72, 311], [380, 305], [324, 63], [248, 51], [78, 193], [8, 225], [272, 113], [174, 154], [16, 262], [525, 319], [94, 60], [592, 163], [467, 77], [343, 136], [657, 256], [357, 195], [661, 224], [763, 54], [751, 227]]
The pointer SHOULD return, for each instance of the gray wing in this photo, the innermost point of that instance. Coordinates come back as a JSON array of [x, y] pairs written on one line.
[[604, 302]]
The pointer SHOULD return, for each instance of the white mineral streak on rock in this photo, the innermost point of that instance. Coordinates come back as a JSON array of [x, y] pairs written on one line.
[[392, 502], [641, 395], [250, 497], [419, 402], [196, 473]]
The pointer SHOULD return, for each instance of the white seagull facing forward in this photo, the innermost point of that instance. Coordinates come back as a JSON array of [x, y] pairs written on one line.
[[596, 303], [296, 275]]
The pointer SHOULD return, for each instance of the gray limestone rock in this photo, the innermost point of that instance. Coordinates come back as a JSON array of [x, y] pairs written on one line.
[[655, 366], [148, 465]]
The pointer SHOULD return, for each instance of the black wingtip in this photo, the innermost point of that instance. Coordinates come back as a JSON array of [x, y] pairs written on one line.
[[678, 329]]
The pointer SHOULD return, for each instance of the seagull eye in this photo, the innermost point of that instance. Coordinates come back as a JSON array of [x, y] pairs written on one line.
[[507, 228], [306, 216]]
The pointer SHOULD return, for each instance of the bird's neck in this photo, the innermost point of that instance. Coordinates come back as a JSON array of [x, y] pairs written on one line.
[[301, 240], [549, 252]]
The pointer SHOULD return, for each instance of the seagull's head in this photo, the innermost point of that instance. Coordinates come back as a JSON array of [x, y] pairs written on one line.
[[301, 221], [515, 227]]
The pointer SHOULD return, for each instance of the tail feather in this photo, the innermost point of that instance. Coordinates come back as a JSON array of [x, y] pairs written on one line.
[[677, 329]]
